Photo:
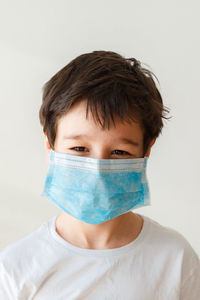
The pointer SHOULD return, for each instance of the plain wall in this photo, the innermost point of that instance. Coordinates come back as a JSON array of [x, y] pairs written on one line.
[[38, 38]]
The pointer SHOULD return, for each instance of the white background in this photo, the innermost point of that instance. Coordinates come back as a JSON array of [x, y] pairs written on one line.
[[38, 38]]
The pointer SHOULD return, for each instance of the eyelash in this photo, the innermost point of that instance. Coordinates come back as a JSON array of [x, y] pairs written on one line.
[[126, 153]]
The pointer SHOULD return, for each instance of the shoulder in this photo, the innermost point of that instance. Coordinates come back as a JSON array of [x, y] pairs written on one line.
[[171, 245], [18, 255], [18, 262], [165, 234], [168, 236]]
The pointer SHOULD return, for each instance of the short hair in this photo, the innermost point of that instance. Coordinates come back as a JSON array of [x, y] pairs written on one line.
[[112, 85]]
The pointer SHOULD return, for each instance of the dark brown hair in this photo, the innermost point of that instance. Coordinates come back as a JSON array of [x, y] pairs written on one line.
[[112, 85]]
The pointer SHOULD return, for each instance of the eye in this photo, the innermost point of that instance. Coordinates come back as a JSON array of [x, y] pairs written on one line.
[[121, 151], [79, 147]]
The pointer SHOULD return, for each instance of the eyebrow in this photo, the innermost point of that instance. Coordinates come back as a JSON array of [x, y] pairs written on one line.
[[81, 136]]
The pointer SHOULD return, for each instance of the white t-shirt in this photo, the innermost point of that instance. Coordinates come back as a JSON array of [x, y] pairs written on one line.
[[159, 264]]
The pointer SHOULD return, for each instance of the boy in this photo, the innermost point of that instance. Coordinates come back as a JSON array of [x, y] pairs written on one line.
[[101, 114]]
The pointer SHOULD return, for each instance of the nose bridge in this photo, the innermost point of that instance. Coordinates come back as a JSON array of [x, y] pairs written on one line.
[[100, 155], [100, 152]]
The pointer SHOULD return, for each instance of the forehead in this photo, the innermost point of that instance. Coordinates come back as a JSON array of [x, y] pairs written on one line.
[[75, 122]]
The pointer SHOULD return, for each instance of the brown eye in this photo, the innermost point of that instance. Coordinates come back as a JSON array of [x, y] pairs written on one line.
[[78, 148], [121, 152]]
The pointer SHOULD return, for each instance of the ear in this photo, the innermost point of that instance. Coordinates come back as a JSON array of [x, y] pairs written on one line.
[[47, 147], [149, 149]]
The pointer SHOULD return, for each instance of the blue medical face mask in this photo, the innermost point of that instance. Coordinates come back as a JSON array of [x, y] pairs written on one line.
[[96, 190]]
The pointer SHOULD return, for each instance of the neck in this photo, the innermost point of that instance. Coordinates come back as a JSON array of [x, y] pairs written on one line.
[[110, 234]]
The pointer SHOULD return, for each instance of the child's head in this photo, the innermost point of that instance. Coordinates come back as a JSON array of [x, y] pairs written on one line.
[[120, 95]]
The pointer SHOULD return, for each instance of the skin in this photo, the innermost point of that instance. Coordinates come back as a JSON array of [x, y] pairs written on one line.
[[102, 144]]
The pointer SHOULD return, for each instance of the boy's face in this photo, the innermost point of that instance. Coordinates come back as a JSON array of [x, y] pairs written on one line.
[[74, 130]]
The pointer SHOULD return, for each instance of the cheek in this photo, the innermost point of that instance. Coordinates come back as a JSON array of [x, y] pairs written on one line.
[[58, 145]]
